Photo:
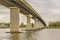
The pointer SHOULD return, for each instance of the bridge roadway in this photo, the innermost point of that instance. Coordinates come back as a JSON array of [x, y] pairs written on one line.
[[21, 6]]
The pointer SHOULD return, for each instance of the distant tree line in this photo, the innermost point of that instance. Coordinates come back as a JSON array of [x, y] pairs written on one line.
[[4, 25], [7, 25], [54, 24], [23, 25]]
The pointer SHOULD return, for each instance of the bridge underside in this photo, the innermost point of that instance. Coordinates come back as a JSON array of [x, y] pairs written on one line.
[[17, 7]]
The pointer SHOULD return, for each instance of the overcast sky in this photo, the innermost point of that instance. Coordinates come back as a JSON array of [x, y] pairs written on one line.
[[49, 10]]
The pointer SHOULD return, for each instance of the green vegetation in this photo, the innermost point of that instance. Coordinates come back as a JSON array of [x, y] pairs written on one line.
[[32, 24], [7, 25], [54, 24], [22, 25], [4, 25]]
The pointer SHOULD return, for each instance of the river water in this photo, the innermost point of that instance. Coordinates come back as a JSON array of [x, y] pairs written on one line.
[[45, 34]]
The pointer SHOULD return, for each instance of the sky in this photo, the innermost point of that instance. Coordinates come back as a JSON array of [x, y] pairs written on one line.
[[49, 10]]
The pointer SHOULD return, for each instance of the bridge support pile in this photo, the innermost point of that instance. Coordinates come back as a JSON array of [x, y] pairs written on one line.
[[14, 19]]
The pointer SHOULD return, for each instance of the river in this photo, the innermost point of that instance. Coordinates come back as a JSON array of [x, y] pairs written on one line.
[[45, 34]]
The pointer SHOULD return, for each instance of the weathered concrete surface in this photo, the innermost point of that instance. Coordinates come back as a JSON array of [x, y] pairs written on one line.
[[28, 26], [14, 19]]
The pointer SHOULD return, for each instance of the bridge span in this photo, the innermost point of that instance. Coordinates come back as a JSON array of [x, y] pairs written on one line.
[[21, 6]]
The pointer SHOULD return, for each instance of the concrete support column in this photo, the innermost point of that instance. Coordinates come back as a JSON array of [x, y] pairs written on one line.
[[28, 26], [35, 23], [40, 25], [14, 19]]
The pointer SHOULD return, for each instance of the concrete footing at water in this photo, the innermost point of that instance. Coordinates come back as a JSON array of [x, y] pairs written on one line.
[[13, 32], [34, 29], [23, 29]]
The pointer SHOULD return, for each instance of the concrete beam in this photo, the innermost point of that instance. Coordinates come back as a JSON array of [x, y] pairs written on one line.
[[24, 12], [6, 3]]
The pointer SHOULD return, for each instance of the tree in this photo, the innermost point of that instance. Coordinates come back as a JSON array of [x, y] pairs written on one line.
[[22, 25], [54, 24], [32, 24]]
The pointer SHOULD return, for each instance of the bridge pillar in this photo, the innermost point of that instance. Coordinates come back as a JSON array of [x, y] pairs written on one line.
[[28, 26], [40, 25], [35, 23], [14, 19]]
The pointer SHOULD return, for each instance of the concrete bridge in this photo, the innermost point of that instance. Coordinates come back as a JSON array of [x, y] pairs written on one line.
[[21, 6]]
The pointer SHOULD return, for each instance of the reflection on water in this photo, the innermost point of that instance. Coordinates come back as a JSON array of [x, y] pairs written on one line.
[[29, 35], [45, 34], [14, 36]]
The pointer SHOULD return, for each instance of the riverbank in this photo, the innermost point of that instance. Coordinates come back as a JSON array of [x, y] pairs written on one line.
[[24, 29], [52, 27]]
